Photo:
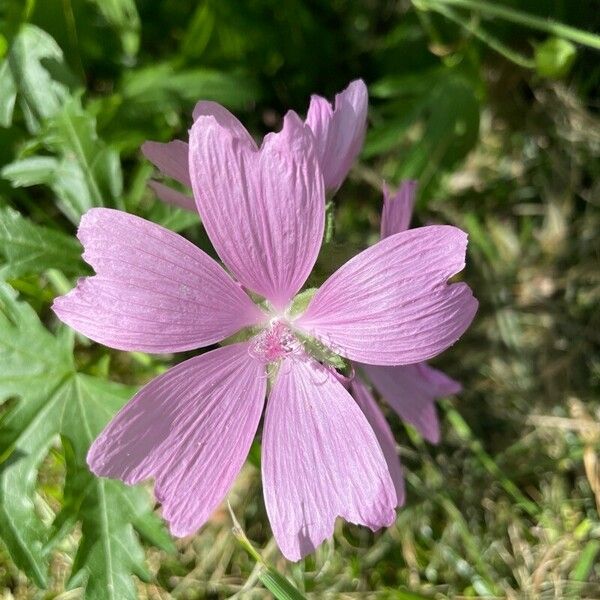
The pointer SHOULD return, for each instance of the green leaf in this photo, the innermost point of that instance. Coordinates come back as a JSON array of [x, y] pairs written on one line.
[[171, 217], [34, 366], [446, 115], [274, 581], [51, 402], [8, 94], [29, 249], [72, 133], [278, 585], [381, 139], [301, 301], [199, 31], [162, 85], [108, 511], [554, 58], [123, 16], [34, 170], [84, 172], [405, 84], [62, 175], [39, 73]]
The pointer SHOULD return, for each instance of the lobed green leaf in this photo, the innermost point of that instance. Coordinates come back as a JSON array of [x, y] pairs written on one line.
[[53, 401], [30, 249]]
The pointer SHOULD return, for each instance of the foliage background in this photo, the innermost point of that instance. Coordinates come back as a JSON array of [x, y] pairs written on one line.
[[500, 125]]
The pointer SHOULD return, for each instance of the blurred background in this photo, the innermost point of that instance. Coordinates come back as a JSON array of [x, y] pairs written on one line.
[[492, 106]]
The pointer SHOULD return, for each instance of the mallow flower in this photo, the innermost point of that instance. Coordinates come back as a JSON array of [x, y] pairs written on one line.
[[412, 389], [190, 429], [339, 133]]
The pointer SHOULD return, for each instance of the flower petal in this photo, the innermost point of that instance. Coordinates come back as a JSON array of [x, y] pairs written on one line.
[[320, 460], [339, 132], [225, 119], [190, 429], [384, 434], [397, 208], [411, 390], [171, 196], [153, 290], [170, 158], [264, 210], [391, 303]]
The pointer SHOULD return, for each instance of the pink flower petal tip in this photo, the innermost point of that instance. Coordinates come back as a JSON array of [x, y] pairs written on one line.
[[339, 131], [397, 208]]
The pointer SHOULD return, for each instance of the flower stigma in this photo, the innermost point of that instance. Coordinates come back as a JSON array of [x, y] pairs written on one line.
[[278, 338], [274, 342]]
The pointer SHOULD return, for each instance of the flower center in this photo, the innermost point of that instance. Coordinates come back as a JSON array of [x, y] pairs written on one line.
[[274, 342]]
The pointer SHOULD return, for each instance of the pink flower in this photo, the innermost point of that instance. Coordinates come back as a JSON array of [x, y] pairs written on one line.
[[191, 428], [411, 390], [339, 134]]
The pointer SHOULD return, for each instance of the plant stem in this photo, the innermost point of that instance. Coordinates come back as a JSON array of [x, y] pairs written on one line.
[[275, 582], [556, 28], [485, 37]]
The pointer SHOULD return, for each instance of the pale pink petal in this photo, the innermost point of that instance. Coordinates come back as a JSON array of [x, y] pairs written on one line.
[[397, 208], [190, 429], [153, 290], [411, 391], [391, 303], [438, 382], [170, 158], [318, 118], [171, 196], [320, 460], [339, 131], [206, 108], [264, 210], [384, 434]]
